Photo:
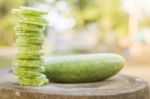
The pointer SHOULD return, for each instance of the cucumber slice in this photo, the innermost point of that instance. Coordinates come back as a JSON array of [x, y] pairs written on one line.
[[39, 49], [30, 74], [28, 27], [24, 44], [40, 69], [31, 52], [33, 20], [29, 34], [36, 81], [28, 56], [29, 40], [29, 63], [26, 11], [32, 11]]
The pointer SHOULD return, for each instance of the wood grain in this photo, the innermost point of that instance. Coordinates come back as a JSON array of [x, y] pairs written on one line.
[[118, 87]]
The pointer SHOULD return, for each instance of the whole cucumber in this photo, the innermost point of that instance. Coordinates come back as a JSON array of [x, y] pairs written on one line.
[[83, 68]]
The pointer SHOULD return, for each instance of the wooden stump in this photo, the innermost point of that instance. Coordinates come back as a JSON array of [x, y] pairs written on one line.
[[118, 87]]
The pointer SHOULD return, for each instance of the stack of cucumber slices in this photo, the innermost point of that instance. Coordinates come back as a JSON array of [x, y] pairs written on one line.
[[29, 39]]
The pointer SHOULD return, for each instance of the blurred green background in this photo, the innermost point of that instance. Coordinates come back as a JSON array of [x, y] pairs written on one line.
[[86, 26], [84, 12]]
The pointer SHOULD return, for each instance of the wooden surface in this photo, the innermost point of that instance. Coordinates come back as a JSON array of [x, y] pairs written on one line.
[[118, 87]]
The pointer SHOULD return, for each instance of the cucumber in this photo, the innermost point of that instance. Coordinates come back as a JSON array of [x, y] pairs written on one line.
[[83, 68]]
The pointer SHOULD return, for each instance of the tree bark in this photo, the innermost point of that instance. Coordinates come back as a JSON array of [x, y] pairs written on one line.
[[118, 87]]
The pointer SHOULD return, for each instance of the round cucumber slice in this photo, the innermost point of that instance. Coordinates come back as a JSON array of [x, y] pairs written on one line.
[[40, 69], [30, 34], [33, 20], [26, 11], [31, 52], [32, 11], [29, 63], [24, 44], [36, 81], [31, 49], [29, 40], [25, 73], [27, 56], [28, 27]]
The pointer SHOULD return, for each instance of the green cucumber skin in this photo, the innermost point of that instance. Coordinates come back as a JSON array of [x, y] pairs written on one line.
[[83, 68]]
